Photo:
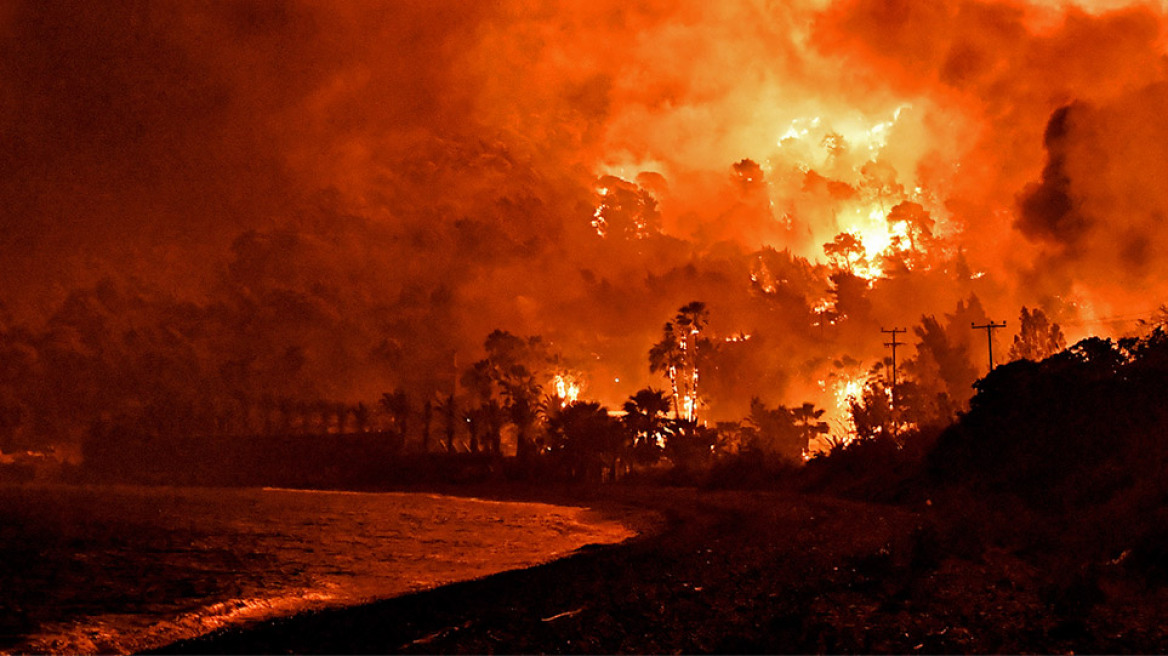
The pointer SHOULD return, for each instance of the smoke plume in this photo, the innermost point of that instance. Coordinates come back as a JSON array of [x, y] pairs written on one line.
[[214, 203]]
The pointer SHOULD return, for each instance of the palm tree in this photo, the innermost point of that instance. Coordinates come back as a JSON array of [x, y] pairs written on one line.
[[427, 415], [676, 355], [774, 431], [691, 319], [585, 436], [397, 406], [493, 416], [806, 419], [644, 412], [522, 400], [523, 411], [666, 357], [449, 410], [361, 415], [474, 421]]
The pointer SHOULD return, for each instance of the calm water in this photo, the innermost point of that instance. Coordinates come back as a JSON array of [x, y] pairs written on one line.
[[119, 569]]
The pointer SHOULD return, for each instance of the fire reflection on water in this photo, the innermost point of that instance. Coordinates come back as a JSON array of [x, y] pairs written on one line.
[[123, 569]]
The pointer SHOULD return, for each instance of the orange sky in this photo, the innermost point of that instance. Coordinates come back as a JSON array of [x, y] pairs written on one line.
[[404, 177]]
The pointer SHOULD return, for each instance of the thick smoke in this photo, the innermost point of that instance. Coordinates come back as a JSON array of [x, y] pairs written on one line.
[[225, 204], [1047, 211]]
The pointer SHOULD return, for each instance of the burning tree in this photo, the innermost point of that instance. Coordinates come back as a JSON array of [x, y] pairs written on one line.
[[678, 354], [846, 253], [626, 210]]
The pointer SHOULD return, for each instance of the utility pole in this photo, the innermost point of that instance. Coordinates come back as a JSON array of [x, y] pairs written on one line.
[[893, 344], [894, 332], [989, 328]]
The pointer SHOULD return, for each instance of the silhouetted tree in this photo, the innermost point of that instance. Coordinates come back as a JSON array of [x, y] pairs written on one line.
[[774, 431], [474, 422], [1037, 338], [586, 438], [918, 224], [806, 419], [849, 294], [494, 415], [872, 413], [1075, 427], [523, 413], [449, 411], [645, 418], [846, 252], [690, 446], [396, 405], [731, 438], [941, 367], [506, 386], [427, 415], [361, 417]]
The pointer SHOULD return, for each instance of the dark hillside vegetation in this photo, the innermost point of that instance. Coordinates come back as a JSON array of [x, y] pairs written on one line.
[[1067, 432], [1066, 457]]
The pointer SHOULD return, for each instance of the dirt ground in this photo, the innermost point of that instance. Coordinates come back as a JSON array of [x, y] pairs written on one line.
[[740, 572]]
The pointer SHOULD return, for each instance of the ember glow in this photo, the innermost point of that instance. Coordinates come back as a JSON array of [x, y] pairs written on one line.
[[229, 206], [567, 388]]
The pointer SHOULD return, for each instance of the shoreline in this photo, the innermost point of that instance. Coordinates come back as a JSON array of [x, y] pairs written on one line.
[[527, 530], [628, 507], [640, 595], [733, 572]]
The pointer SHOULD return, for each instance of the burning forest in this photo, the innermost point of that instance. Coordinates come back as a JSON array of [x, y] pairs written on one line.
[[364, 244]]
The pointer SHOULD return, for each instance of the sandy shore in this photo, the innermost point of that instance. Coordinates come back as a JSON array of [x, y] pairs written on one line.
[[726, 572]]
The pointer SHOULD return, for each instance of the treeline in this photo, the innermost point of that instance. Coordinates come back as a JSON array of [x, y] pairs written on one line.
[[290, 325], [520, 403], [1058, 463]]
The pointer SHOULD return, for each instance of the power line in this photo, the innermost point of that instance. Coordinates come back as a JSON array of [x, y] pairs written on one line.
[[989, 328], [894, 332], [893, 344], [1119, 318]]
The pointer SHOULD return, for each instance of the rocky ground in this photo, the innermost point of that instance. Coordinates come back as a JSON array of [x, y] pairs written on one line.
[[741, 572]]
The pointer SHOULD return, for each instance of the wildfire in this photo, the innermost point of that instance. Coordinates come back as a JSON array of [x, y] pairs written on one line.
[[836, 138], [879, 216], [846, 390], [824, 310], [842, 388], [625, 209], [598, 221], [567, 388], [872, 238]]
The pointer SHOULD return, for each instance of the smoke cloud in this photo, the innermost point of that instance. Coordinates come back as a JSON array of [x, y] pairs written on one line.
[[217, 200]]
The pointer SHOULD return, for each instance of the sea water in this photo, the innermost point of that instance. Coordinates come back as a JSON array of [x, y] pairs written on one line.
[[117, 569]]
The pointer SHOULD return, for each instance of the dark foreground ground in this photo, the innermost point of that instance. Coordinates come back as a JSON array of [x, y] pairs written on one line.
[[741, 572]]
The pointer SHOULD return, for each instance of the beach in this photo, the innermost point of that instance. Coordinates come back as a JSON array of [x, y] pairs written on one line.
[[120, 569], [729, 572]]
